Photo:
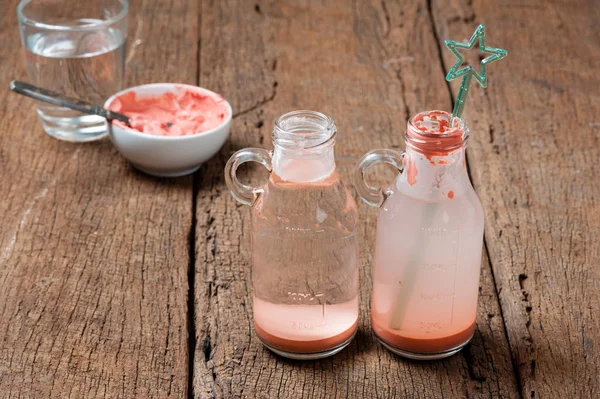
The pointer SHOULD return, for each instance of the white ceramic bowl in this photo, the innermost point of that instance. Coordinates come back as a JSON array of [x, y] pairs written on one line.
[[167, 156]]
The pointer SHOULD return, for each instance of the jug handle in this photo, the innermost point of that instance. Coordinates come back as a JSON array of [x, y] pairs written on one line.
[[241, 192], [375, 196]]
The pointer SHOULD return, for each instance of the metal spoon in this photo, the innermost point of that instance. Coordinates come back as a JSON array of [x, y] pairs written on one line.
[[51, 97]]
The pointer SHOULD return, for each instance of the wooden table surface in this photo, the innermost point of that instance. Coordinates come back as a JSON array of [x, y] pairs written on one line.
[[117, 284]]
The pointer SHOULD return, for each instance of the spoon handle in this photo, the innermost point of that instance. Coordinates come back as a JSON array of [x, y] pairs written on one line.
[[51, 97]]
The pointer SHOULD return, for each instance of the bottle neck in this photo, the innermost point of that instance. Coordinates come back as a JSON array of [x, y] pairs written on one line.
[[303, 142], [434, 165], [304, 166], [434, 178]]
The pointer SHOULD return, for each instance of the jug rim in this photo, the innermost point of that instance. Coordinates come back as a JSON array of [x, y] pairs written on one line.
[[303, 130]]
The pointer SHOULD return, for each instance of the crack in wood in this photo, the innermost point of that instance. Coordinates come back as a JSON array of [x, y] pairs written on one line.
[[192, 286], [388, 23], [259, 104], [207, 348], [468, 356], [522, 278], [491, 132]]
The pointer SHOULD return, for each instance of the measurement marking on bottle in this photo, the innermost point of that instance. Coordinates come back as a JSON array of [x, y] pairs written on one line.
[[309, 299], [436, 296], [433, 232], [301, 325], [437, 266], [439, 270], [455, 271], [297, 229], [431, 325], [299, 296]]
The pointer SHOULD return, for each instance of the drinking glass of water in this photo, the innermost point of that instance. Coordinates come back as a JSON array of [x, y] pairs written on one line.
[[76, 48]]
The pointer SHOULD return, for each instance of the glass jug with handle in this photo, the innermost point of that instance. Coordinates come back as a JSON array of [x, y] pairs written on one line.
[[304, 240], [429, 241]]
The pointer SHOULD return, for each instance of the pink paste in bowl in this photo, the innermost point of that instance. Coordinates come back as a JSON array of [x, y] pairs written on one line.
[[189, 112]]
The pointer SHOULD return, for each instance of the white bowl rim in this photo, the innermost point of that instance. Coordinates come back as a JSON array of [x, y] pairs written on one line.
[[171, 138]]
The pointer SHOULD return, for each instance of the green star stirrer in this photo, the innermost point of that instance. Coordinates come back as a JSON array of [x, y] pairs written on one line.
[[468, 72]]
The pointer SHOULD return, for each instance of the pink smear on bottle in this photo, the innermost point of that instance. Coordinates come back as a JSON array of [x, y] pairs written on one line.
[[411, 172], [183, 113]]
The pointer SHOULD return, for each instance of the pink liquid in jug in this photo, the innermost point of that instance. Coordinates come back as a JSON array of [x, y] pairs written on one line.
[[305, 261], [304, 240], [305, 328]]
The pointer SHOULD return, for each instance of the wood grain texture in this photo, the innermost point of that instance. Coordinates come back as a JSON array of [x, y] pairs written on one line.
[[93, 255], [370, 65], [534, 157]]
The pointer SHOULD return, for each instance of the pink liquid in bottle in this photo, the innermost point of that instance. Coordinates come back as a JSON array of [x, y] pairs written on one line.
[[427, 303], [428, 245]]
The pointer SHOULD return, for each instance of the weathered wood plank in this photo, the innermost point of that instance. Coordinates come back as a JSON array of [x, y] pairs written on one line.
[[370, 66], [93, 255], [534, 157]]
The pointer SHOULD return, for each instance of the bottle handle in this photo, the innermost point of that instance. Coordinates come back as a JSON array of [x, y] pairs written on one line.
[[375, 196], [241, 192]]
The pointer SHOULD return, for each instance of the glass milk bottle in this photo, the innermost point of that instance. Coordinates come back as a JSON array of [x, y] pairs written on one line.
[[429, 241], [304, 240]]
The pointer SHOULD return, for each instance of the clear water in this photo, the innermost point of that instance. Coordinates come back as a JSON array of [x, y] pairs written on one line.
[[88, 65], [305, 264]]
